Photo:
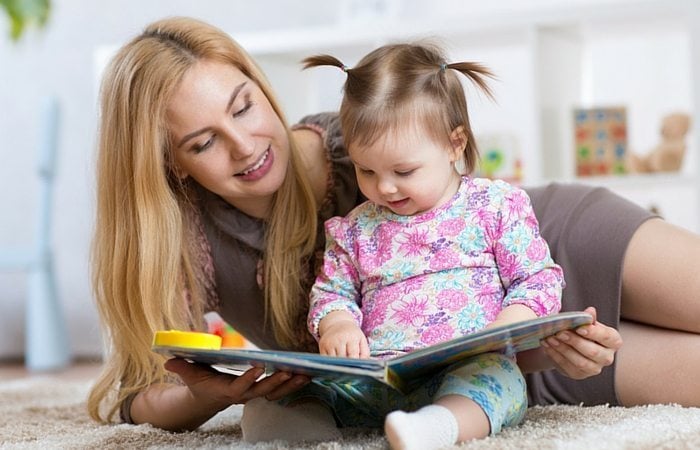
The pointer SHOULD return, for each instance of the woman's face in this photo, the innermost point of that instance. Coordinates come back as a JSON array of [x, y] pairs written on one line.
[[227, 136]]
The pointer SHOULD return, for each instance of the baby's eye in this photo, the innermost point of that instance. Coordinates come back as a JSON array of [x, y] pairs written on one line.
[[365, 171], [405, 173]]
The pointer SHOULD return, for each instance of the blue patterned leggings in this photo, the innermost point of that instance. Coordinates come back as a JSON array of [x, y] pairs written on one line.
[[492, 380]]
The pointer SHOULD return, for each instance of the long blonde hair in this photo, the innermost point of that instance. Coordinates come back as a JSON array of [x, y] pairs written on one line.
[[147, 272], [399, 83]]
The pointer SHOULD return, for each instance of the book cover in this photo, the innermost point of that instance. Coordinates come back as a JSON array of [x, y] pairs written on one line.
[[401, 372]]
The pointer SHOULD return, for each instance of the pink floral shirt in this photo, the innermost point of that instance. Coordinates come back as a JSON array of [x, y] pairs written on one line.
[[414, 281]]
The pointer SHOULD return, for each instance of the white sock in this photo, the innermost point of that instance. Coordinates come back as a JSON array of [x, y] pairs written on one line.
[[263, 420], [431, 427]]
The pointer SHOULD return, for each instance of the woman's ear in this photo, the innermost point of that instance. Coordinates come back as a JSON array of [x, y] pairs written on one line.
[[458, 141]]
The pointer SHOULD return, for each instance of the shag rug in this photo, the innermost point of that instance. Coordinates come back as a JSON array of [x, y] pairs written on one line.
[[45, 413]]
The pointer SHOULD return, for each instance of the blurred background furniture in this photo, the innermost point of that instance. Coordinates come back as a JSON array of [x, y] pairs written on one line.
[[46, 343]]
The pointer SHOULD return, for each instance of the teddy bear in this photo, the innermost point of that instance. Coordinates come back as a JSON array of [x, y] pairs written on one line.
[[667, 156]]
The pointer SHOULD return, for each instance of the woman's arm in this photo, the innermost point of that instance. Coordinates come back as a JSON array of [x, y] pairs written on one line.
[[578, 355], [204, 394]]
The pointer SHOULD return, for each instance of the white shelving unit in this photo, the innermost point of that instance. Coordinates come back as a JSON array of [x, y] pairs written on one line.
[[549, 59]]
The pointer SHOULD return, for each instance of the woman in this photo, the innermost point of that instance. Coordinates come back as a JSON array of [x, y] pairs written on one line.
[[206, 199]]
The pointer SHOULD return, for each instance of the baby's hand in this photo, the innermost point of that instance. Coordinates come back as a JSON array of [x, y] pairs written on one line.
[[343, 338]]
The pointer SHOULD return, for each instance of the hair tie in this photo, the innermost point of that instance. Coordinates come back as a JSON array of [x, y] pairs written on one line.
[[443, 66], [344, 68]]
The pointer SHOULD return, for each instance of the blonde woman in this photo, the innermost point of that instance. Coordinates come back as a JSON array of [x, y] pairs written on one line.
[[206, 199]]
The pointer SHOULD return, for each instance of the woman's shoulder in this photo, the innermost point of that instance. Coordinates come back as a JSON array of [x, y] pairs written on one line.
[[327, 147], [309, 142]]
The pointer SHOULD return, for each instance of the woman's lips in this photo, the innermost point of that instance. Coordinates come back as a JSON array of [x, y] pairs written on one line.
[[259, 169]]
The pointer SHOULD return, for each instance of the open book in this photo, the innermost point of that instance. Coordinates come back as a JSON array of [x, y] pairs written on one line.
[[402, 372]]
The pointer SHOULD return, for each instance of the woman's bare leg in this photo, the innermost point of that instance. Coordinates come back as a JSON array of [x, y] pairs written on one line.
[[659, 361], [661, 277], [657, 365]]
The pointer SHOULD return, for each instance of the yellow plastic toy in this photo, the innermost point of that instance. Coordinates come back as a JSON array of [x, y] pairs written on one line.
[[187, 339]]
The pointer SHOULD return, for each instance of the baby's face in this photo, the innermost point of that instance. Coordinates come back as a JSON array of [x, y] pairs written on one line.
[[406, 171]]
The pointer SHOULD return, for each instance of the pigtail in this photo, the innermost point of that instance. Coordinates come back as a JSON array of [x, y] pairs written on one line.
[[400, 82], [323, 60], [477, 74]]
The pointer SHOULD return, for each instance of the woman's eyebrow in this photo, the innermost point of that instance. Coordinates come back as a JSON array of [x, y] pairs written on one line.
[[234, 94], [232, 99]]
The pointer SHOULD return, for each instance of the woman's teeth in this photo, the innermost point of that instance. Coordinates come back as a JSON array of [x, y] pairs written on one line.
[[257, 165]]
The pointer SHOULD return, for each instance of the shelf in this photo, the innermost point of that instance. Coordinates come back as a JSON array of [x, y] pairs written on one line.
[[549, 58], [469, 21], [646, 180]]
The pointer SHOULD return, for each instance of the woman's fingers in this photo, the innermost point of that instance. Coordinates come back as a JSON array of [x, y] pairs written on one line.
[[603, 335], [586, 351], [277, 391], [570, 361], [577, 356], [592, 311], [206, 382], [190, 373]]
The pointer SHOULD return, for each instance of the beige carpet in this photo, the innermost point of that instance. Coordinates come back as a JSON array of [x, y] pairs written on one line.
[[45, 413]]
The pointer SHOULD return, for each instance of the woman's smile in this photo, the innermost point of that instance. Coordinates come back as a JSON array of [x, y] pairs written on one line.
[[259, 169]]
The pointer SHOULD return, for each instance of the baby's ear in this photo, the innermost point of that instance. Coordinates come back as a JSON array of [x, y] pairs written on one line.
[[458, 141]]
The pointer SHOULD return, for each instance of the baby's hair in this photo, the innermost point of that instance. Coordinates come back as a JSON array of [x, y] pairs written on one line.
[[399, 83]]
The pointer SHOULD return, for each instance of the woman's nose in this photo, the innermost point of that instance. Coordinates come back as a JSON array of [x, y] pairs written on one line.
[[241, 144]]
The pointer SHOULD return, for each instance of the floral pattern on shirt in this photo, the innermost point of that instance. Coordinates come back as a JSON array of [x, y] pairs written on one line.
[[414, 281]]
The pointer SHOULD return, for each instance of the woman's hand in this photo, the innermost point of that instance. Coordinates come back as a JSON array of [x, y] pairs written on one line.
[[206, 392], [216, 388], [584, 352]]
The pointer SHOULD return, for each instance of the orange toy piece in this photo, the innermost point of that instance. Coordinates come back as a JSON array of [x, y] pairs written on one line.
[[229, 336], [233, 340]]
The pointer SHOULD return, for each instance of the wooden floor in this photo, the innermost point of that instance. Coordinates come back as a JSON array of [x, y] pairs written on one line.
[[76, 371]]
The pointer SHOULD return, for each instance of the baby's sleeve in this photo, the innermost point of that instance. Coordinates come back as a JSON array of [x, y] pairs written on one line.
[[337, 286], [528, 272]]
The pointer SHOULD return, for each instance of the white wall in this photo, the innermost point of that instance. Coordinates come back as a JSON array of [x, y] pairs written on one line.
[[60, 60]]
